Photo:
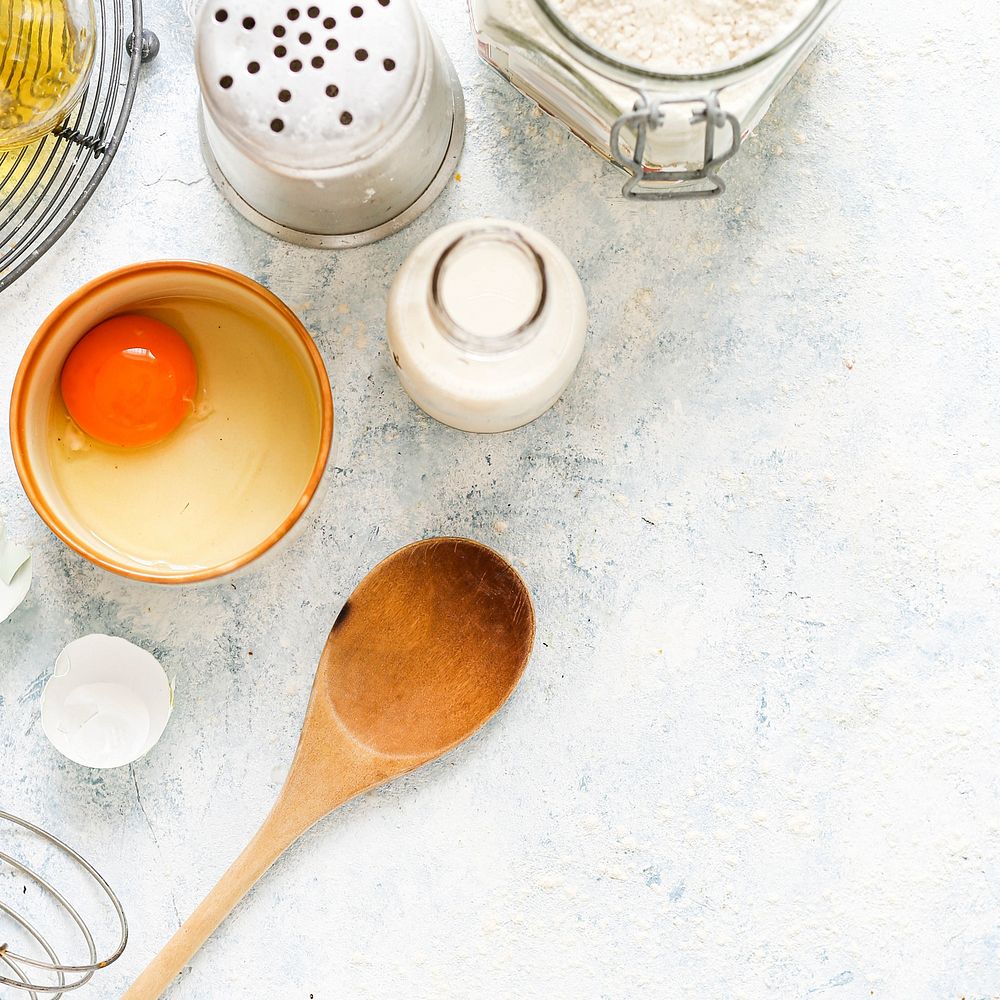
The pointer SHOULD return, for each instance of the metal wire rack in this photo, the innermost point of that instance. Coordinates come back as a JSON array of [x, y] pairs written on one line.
[[29, 968], [44, 186]]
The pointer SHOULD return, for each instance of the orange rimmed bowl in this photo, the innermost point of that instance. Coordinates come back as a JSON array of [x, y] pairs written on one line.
[[152, 288]]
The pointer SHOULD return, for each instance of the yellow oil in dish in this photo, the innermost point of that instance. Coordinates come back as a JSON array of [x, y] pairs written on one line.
[[227, 477], [46, 54], [21, 169]]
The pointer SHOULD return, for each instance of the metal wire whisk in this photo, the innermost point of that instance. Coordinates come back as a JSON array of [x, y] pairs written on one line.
[[25, 967]]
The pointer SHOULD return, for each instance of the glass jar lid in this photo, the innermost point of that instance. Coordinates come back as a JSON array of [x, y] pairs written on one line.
[[615, 66]]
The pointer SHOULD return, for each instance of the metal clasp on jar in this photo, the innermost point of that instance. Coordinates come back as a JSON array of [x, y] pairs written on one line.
[[673, 182]]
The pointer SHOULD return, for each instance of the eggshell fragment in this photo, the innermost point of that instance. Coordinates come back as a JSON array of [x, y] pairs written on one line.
[[107, 702], [15, 574]]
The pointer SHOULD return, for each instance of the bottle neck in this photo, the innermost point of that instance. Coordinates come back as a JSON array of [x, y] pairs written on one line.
[[489, 290]]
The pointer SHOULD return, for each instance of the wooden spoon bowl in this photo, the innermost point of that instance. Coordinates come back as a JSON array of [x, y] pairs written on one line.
[[422, 656], [425, 651]]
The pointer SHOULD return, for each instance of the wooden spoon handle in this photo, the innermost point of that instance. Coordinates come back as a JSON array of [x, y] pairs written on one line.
[[266, 847]]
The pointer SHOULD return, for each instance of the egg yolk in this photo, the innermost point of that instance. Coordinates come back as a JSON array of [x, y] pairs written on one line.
[[130, 381]]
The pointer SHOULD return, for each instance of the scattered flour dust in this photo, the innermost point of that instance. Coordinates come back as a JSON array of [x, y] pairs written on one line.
[[683, 35]]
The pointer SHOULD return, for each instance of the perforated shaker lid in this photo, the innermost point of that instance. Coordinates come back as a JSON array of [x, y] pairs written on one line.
[[309, 85]]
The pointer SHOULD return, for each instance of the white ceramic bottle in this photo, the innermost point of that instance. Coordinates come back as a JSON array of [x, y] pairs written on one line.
[[486, 324]]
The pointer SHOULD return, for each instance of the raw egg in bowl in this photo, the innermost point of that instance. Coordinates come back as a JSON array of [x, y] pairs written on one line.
[[171, 421]]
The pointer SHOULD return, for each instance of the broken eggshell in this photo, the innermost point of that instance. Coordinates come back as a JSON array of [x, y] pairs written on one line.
[[15, 574], [107, 702]]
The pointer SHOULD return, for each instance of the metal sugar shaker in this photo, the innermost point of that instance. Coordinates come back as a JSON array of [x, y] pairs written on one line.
[[325, 124]]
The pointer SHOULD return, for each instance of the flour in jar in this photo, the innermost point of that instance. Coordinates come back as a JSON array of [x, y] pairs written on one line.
[[684, 36]]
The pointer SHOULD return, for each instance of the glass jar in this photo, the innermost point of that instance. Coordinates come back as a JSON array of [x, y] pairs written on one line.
[[46, 56], [670, 131], [486, 324]]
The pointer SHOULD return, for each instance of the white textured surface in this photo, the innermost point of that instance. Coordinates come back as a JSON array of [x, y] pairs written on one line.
[[756, 752]]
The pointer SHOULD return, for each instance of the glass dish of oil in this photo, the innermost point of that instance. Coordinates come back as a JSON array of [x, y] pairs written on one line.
[[46, 55]]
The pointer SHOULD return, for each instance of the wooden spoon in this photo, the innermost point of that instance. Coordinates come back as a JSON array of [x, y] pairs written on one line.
[[426, 649]]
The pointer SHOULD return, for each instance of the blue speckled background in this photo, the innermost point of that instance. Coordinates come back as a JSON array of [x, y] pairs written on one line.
[[756, 752]]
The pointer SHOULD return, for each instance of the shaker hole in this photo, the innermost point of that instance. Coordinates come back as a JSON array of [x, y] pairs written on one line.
[[226, 82], [332, 90], [284, 96], [313, 12], [361, 55], [305, 38], [280, 51], [278, 31], [295, 65], [249, 23], [346, 118], [357, 11], [317, 62], [329, 22], [292, 14], [253, 67], [389, 65], [383, 3], [221, 14], [332, 43], [277, 124]]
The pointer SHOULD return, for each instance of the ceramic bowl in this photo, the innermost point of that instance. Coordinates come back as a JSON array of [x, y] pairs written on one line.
[[130, 290]]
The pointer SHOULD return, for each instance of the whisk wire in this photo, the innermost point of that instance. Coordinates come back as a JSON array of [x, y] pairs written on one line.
[[54, 966]]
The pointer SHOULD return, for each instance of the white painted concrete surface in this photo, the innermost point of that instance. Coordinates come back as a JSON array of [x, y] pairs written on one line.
[[756, 752]]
